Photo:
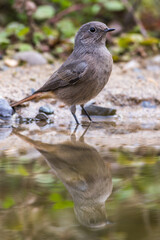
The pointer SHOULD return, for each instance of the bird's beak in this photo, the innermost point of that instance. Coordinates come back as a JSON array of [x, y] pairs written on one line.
[[109, 29]]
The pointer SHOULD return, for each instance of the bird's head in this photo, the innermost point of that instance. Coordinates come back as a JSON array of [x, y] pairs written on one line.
[[92, 33]]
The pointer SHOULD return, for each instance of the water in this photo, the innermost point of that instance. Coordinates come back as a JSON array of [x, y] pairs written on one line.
[[54, 185]]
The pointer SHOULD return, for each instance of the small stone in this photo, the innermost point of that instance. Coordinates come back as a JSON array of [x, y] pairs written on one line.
[[148, 104], [153, 68], [31, 57], [47, 109], [11, 62], [131, 65], [6, 110], [5, 131], [53, 101], [41, 123], [32, 90], [99, 111], [156, 59], [61, 105], [41, 117]]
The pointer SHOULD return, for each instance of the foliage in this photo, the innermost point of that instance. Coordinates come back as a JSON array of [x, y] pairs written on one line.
[[50, 25]]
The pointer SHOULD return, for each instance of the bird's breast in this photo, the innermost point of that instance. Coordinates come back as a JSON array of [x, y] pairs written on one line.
[[99, 69]]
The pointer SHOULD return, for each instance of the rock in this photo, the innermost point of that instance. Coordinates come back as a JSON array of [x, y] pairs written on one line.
[[31, 57], [131, 65], [148, 104], [41, 123], [94, 110], [11, 62], [5, 131], [47, 109], [156, 59], [61, 105], [3, 67], [32, 90], [6, 110], [41, 117], [154, 68]]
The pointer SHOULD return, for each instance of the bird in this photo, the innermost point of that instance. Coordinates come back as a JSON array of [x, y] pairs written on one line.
[[85, 72], [84, 173]]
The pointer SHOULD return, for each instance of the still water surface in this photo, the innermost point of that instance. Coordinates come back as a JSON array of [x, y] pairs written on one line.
[[72, 190]]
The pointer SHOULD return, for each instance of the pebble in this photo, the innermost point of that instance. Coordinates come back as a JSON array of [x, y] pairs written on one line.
[[148, 104], [62, 105], [6, 110], [131, 65], [11, 62], [47, 109], [31, 57], [94, 110], [32, 90], [41, 117], [5, 131], [156, 59]]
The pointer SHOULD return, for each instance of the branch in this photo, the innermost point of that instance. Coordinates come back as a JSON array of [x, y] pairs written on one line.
[[65, 12], [136, 19]]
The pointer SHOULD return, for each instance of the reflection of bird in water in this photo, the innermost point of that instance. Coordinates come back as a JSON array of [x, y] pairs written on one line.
[[84, 173]]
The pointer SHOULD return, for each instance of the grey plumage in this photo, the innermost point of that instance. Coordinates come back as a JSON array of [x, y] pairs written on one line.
[[86, 71]]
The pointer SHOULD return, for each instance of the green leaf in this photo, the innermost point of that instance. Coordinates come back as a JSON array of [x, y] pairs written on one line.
[[64, 3], [63, 205], [48, 31], [22, 171], [95, 9], [67, 27], [8, 202], [55, 197], [38, 37], [44, 12], [129, 38], [4, 41], [18, 29], [44, 178], [22, 32], [114, 5], [24, 47], [149, 41]]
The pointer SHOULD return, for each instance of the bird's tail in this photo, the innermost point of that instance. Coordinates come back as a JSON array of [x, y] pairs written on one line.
[[31, 97]]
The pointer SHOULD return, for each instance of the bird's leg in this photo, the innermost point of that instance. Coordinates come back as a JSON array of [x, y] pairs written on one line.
[[73, 135], [81, 139], [82, 106], [73, 111]]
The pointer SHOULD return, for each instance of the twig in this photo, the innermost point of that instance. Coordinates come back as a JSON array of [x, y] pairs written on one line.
[[136, 19], [63, 13]]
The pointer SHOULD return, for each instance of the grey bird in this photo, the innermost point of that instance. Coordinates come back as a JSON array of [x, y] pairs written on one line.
[[84, 74], [84, 173]]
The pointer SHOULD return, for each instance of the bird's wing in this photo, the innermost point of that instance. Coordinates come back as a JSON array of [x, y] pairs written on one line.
[[66, 75]]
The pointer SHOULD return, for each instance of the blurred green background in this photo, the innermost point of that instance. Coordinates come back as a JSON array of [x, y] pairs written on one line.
[[50, 25]]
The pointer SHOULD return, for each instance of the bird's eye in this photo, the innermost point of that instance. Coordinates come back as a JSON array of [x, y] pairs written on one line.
[[92, 29]]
